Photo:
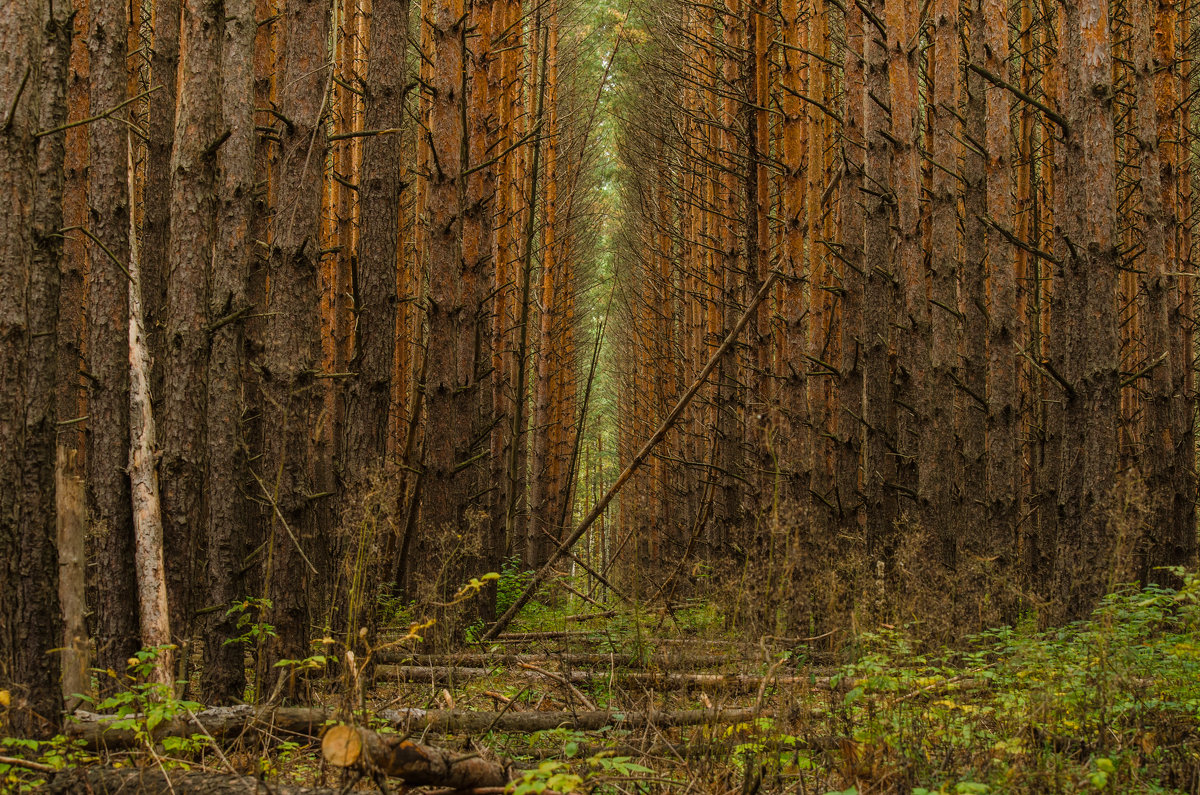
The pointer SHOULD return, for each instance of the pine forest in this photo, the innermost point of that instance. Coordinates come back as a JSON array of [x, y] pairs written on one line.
[[599, 396]]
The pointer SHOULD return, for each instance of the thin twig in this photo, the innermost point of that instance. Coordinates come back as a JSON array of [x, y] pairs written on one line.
[[12, 109], [27, 764], [97, 117], [279, 514]]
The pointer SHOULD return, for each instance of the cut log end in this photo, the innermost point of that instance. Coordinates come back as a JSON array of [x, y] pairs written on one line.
[[342, 746]]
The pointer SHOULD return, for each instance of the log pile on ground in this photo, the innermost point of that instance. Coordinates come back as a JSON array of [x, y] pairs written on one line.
[[418, 764]]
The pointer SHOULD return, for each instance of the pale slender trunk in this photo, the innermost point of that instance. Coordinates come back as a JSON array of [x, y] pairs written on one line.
[[72, 582], [143, 474]]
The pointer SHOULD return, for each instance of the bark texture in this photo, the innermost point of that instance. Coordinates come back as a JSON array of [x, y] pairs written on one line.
[[109, 503], [34, 51], [185, 336], [292, 359], [227, 520]]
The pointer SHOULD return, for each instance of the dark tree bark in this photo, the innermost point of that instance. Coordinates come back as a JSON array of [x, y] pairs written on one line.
[[879, 304], [184, 342], [730, 397], [292, 360], [380, 195], [453, 520], [72, 408], [850, 378], [116, 622], [71, 328], [941, 486], [34, 50], [543, 529], [1168, 461], [973, 454], [998, 537], [223, 678], [156, 221], [1086, 356]]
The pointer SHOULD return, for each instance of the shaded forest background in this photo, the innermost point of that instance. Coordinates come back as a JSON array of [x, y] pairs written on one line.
[[318, 305]]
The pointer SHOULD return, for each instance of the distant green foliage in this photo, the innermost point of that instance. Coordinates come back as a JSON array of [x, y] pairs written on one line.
[[512, 583]]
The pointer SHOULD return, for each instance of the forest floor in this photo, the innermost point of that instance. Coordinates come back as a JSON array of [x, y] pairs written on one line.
[[1108, 704]]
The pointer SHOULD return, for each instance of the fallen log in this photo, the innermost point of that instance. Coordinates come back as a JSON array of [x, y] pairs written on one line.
[[225, 723], [574, 660], [418, 764], [591, 616], [652, 680], [472, 722], [98, 731], [153, 781], [441, 675], [550, 635]]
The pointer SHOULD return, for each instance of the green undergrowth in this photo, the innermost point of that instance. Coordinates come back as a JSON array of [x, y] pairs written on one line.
[[1112, 704]]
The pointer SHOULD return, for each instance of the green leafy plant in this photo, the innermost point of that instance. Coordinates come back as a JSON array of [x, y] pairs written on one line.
[[57, 753], [250, 622], [142, 705], [549, 775]]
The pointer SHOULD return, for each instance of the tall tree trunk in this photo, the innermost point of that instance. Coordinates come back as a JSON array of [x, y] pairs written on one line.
[[292, 359], [879, 303], [973, 452], [156, 218], [941, 488], [1175, 124], [379, 255], [116, 628], [35, 42], [729, 427], [456, 442], [1085, 314], [912, 320], [1005, 324], [72, 408], [192, 237], [541, 531], [1169, 458], [143, 473], [850, 198], [227, 520]]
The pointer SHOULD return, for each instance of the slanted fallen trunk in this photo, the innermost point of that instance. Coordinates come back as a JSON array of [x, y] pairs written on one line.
[[97, 731], [152, 781], [417, 764], [458, 720]]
